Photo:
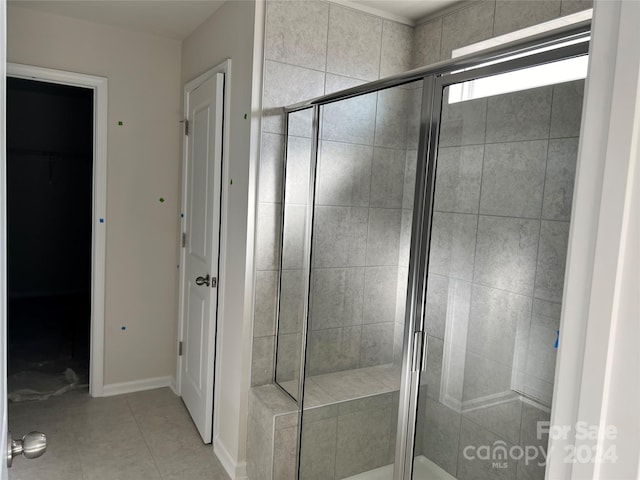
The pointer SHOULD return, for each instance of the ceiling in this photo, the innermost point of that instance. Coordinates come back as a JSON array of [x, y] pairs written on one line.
[[178, 18], [168, 18]]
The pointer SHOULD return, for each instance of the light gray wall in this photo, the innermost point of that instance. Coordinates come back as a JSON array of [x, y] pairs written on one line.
[[143, 165], [231, 32]]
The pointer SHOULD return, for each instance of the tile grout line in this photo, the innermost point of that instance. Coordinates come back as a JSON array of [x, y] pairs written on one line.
[[144, 438]]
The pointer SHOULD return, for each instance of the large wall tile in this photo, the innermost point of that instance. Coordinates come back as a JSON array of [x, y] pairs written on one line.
[[259, 459], [295, 217], [336, 297], [440, 435], [344, 174], [392, 117], [284, 458], [560, 178], [265, 303], [288, 358], [484, 379], [333, 350], [340, 236], [297, 174], [530, 469], [271, 168], [408, 195], [268, 245], [376, 347], [383, 241], [363, 441], [519, 116], [496, 316], [380, 288], [414, 113], [296, 33], [541, 358], [354, 43], [506, 253], [458, 178], [405, 238], [318, 449], [291, 301], [453, 239], [387, 177], [513, 179], [470, 466], [467, 26], [502, 419], [352, 120], [262, 360], [566, 113], [512, 15], [463, 123], [448, 300], [546, 314], [426, 43], [573, 6], [396, 48], [302, 84], [401, 295], [552, 259], [432, 376]]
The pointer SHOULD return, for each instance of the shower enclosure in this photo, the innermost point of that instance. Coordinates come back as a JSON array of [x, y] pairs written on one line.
[[424, 235]]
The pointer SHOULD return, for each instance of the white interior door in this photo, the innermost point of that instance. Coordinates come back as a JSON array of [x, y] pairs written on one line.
[[201, 247]]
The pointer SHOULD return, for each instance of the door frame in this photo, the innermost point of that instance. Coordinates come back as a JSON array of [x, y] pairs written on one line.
[[99, 85], [224, 68]]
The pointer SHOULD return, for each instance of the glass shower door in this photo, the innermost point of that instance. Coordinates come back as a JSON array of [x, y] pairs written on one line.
[[363, 205], [503, 183]]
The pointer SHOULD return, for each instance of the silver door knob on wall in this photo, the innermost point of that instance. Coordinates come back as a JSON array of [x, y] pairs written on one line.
[[32, 445], [203, 280]]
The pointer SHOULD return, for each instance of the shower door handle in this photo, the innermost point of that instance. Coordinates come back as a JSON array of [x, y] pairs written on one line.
[[32, 445], [420, 348]]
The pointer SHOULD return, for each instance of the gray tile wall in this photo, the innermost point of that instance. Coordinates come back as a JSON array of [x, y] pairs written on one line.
[[308, 53], [313, 48]]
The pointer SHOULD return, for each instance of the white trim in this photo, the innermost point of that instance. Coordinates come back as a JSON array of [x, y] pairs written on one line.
[[100, 88], [225, 68], [592, 330], [374, 11], [237, 471], [523, 33], [4, 475], [136, 386]]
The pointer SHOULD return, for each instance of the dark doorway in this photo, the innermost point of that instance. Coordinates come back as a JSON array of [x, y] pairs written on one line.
[[49, 220]]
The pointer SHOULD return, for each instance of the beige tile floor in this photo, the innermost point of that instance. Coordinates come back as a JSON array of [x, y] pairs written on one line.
[[139, 436]]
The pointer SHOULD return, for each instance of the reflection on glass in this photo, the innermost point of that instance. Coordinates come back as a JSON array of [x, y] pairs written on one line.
[[294, 271], [359, 268], [504, 183]]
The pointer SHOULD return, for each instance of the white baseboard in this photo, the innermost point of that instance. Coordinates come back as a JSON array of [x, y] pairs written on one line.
[[237, 471], [174, 386], [135, 386]]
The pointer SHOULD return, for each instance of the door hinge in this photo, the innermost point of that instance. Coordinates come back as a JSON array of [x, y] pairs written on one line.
[[186, 126], [184, 239], [180, 349]]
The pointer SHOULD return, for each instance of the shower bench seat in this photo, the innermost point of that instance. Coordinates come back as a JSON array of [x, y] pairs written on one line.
[[341, 412]]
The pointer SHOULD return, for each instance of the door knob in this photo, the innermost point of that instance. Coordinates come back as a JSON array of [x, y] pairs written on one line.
[[203, 280], [32, 445]]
